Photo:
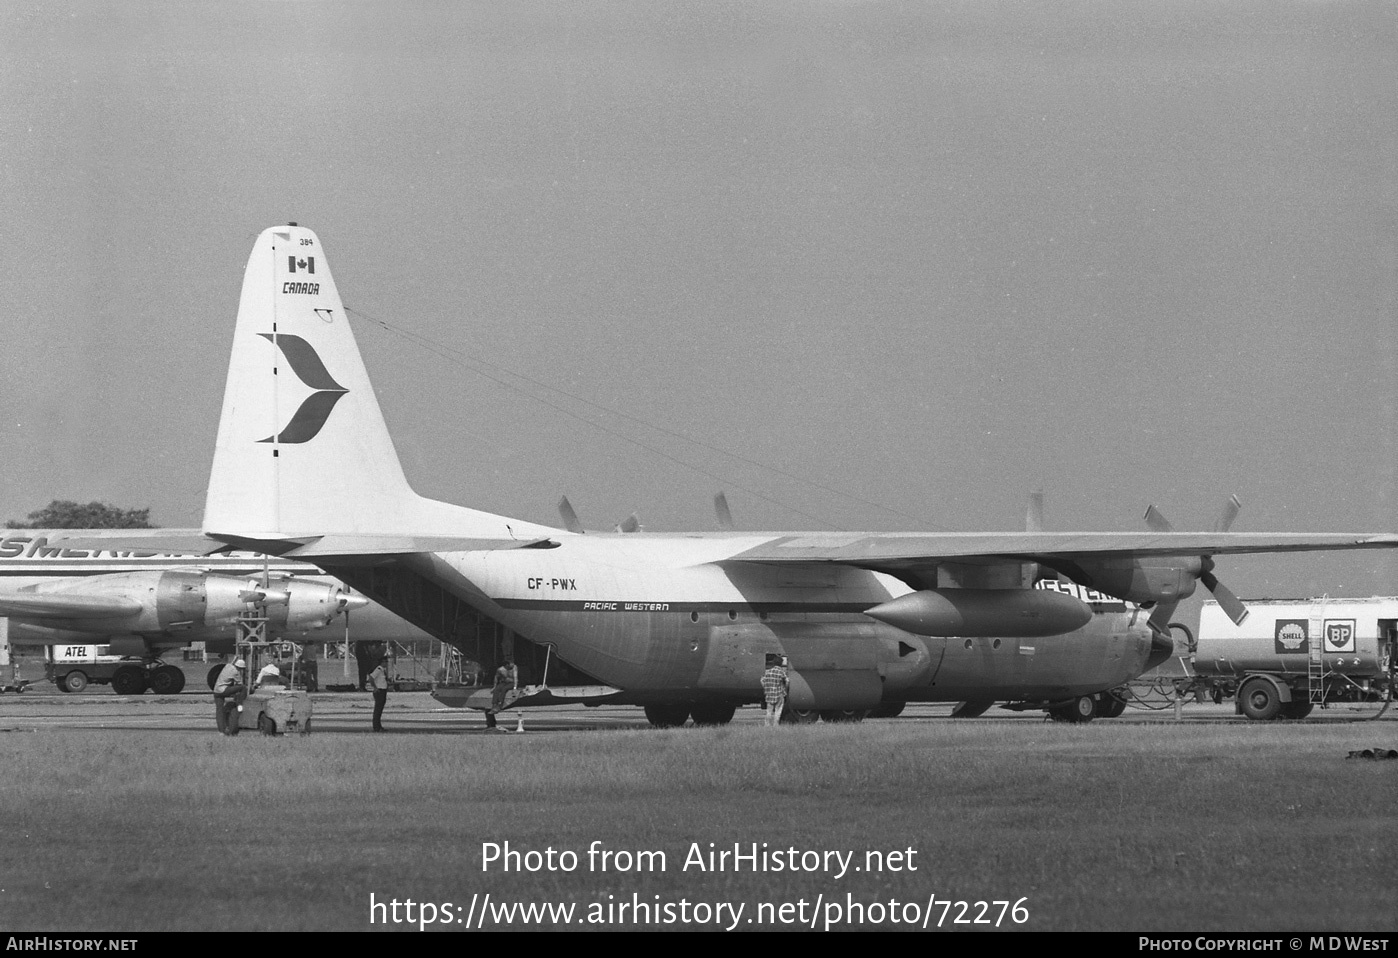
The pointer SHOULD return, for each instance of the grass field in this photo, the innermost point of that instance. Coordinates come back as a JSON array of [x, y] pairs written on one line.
[[1147, 827]]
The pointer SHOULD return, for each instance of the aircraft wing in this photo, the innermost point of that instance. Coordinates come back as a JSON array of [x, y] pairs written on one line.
[[897, 550], [50, 605]]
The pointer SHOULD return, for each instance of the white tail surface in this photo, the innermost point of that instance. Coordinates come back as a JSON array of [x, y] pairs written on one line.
[[302, 447]]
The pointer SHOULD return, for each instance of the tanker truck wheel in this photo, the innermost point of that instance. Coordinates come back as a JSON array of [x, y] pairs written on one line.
[[1261, 701], [1297, 709]]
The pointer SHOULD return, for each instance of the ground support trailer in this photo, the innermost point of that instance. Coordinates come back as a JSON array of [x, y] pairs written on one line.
[[73, 667], [1291, 655]]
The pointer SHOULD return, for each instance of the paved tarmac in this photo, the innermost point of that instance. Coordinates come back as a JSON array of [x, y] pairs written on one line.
[[43, 707]]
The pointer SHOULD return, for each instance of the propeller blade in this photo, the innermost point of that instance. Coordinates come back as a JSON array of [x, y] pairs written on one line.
[[1231, 508], [570, 518], [1034, 522], [725, 518], [1034, 513], [629, 524], [1160, 617], [1157, 521], [1231, 605]]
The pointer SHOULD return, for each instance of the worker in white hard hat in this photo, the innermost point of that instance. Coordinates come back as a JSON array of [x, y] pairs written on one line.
[[228, 691]]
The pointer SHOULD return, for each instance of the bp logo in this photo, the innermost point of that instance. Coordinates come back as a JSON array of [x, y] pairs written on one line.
[[305, 363], [1291, 636], [1339, 635]]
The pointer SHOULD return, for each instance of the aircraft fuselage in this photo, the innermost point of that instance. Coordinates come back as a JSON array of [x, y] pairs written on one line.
[[664, 616]]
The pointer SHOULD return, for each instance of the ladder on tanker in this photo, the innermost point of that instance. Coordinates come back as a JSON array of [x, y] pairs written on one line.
[[1315, 663]]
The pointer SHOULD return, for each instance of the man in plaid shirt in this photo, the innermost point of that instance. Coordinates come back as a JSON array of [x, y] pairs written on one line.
[[774, 687]]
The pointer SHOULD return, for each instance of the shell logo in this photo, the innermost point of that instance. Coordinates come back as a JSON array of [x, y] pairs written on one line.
[[1291, 636]]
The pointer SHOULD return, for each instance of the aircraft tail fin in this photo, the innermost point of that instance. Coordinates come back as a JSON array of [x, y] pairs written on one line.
[[302, 446]]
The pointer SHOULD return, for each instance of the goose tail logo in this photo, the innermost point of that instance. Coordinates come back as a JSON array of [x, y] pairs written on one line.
[[315, 410]]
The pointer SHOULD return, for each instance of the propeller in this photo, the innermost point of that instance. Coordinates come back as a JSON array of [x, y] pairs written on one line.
[[1232, 606], [725, 517], [1034, 512], [1034, 522], [570, 518]]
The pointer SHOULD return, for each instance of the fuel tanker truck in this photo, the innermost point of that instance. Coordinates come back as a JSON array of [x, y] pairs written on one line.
[[1290, 655]]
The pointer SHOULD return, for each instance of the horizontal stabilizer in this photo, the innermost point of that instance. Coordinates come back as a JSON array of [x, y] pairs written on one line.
[[321, 547], [190, 542], [51, 605]]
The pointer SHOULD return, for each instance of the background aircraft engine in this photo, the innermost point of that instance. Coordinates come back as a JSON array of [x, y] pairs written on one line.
[[310, 605], [1143, 580], [984, 612], [137, 602], [224, 597]]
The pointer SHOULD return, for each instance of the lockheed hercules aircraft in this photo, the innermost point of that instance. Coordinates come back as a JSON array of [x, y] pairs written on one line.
[[679, 623]]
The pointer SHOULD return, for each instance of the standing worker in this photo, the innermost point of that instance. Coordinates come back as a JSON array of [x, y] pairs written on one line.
[[506, 678], [775, 685], [378, 684], [227, 688]]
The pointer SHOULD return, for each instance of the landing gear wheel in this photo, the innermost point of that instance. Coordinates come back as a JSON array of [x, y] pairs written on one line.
[[799, 716], [888, 710], [167, 680], [1109, 704], [971, 709], [843, 715], [74, 681], [1079, 710], [713, 713], [266, 724], [667, 716], [1297, 709], [129, 680], [1261, 700], [213, 676]]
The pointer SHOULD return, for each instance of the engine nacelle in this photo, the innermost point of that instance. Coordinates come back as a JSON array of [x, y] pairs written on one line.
[[309, 605], [1012, 613], [1144, 580], [187, 603]]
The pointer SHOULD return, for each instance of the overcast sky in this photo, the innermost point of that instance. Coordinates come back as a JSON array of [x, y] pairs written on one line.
[[861, 265]]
